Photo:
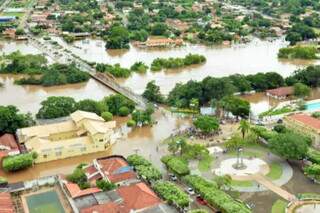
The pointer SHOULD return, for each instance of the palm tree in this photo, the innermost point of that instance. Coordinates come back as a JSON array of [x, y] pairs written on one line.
[[176, 145], [244, 127]]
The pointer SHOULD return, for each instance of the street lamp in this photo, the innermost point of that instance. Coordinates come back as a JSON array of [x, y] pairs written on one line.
[[239, 158]]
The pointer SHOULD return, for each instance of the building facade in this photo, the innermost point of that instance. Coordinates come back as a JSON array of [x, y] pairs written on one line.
[[306, 125], [84, 133]]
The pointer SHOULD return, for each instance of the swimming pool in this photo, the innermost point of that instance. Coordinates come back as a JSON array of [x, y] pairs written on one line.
[[313, 106], [46, 202]]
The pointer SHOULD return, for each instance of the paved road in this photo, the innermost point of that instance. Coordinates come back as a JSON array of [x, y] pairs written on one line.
[[273, 187]]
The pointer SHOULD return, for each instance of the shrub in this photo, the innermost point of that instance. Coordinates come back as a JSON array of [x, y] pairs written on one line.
[[124, 111], [105, 185], [214, 196], [280, 128], [107, 116], [137, 160], [301, 52], [18, 162], [171, 193], [313, 155], [131, 123], [313, 171], [144, 168], [176, 165], [79, 177]]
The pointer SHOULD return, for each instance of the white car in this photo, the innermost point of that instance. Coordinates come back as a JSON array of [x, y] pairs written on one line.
[[190, 191]]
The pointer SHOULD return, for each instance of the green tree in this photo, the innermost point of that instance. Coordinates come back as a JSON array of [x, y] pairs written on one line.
[[313, 171], [139, 67], [117, 38], [206, 123], [79, 177], [177, 145], [56, 106], [18, 162], [89, 105], [289, 145], [223, 182], [107, 116], [244, 127], [152, 93], [235, 105], [301, 90], [11, 119], [159, 29], [115, 102], [105, 185]]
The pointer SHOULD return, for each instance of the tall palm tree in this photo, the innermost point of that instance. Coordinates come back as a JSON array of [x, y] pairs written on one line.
[[244, 127]]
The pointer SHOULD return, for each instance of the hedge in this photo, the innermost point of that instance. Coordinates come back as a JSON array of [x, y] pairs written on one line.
[[214, 196], [18, 162], [176, 165], [144, 168], [171, 193], [313, 156]]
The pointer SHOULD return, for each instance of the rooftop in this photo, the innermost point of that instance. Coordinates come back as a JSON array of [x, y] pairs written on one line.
[[281, 91], [136, 196], [306, 120], [75, 191], [116, 169], [7, 141], [6, 204]]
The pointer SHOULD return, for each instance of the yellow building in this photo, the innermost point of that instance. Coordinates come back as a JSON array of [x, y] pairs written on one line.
[[84, 133], [305, 124]]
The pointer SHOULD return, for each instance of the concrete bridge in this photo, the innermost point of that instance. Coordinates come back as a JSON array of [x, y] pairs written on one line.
[[62, 56]]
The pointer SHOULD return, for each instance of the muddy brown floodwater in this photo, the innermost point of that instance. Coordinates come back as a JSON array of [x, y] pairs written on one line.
[[144, 141], [28, 98], [256, 56]]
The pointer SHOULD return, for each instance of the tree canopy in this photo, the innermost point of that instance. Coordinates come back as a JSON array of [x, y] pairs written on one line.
[[289, 145], [56, 106], [11, 119], [152, 93], [206, 123]]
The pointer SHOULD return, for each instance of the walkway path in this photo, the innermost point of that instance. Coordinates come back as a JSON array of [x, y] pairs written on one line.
[[276, 189]]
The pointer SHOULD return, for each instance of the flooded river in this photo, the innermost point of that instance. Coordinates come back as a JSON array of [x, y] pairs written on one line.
[[256, 56], [250, 58]]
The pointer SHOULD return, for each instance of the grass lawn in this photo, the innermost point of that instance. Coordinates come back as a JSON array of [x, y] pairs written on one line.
[[279, 206], [241, 183], [275, 171], [205, 163]]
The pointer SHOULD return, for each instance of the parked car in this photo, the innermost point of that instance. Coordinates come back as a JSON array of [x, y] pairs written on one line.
[[190, 191], [172, 177], [201, 201]]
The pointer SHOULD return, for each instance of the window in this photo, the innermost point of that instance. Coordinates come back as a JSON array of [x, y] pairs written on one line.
[[45, 156], [101, 140], [58, 153], [83, 149]]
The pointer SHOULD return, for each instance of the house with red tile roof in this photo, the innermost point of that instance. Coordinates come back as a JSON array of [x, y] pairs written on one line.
[[131, 195], [8, 145], [305, 124], [6, 204], [74, 190], [138, 197], [115, 169], [280, 93]]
